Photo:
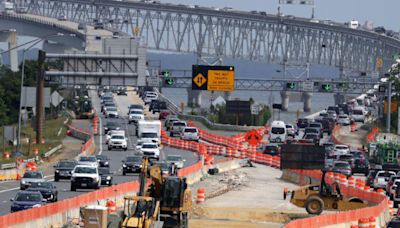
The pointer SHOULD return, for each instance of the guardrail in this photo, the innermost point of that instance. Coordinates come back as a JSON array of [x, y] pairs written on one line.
[[215, 126], [52, 151]]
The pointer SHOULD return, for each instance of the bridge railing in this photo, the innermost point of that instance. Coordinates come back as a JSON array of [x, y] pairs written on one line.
[[27, 18]]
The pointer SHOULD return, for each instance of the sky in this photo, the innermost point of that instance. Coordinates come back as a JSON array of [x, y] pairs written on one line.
[[381, 12]]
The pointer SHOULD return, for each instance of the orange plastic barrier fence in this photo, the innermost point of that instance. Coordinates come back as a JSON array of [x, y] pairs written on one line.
[[371, 137], [68, 204]]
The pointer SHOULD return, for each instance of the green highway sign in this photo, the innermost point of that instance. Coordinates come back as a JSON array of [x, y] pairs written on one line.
[[327, 87], [291, 85], [169, 81], [165, 73]]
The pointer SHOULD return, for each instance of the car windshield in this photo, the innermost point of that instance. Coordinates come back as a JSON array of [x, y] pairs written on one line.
[[101, 157], [30, 197], [345, 157], [357, 112], [315, 125], [136, 112], [342, 165], [134, 159], [343, 117], [385, 174], [104, 171], [311, 136], [278, 130], [324, 114], [174, 158], [149, 146], [33, 175], [85, 170], [68, 164], [191, 130], [117, 137], [112, 124], [91, 159], [179, 124], [271, 148], [41, 185], [311, 130], [289, 126], [149, 135], [341, 147], [112, 109]]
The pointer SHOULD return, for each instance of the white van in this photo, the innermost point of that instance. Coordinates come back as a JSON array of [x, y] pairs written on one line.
[[358, 114], [278, 132]]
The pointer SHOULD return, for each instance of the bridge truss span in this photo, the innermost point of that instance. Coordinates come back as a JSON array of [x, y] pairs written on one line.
[[232, 34]]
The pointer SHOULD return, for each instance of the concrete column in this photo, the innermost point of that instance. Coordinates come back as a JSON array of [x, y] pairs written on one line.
[[11, 38], [285, 100], [307, 101], [194, 98], [339, 98]]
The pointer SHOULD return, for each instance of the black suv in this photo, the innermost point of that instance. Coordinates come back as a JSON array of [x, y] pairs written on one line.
[[63, 169], [106, 176], [47, 189], [103, 160], [302, 123], [111, 126], [132, 164]]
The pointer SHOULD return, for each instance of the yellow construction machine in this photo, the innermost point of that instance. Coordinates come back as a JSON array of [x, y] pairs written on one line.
[[316, 198], [164, 198]]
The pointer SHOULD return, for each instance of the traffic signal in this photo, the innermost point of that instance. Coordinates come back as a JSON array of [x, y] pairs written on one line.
[[326, 87], [169, 82], [165, 73], [291, 85]]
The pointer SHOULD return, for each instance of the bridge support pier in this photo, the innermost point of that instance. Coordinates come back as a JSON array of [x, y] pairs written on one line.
[[227, 96], [285, 100], [194, 98], [307, 101], [339, 98], [11, 38]]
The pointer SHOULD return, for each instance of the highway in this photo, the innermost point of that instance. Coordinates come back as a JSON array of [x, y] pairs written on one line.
[[8, 189]]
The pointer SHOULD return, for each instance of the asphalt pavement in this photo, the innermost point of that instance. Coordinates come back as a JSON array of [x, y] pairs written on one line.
[[8, 189]]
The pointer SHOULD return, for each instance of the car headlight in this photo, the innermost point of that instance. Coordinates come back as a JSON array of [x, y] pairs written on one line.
[[36, 205], [23, 182], [95, 178], [106, 163], [57, 171], [123, 165], [108, 177], [117, 128]]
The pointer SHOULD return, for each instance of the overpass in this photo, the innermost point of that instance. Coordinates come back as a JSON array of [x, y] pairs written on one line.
[[233, 34]]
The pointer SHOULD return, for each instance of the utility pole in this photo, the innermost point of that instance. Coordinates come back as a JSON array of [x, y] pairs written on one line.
[[40, 97], [389, 107]]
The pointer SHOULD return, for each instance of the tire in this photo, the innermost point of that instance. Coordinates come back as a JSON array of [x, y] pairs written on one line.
[[73, 188], [109, 148], [110, 183], [125, 149], [171, 134], [97, 187], [314, 205], [56, 178], [123, 173]]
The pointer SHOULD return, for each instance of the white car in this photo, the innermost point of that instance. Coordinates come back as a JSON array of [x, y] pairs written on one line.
[[135, 115], [358, 115], [151, 150], [190, 133], [114, 132], [343, 119], [118, 141], [111, 112], [381, 178], [84, 176], [340, 150], [31, 177], [177, 160], [88, 161], [149, 97], [177, 128]]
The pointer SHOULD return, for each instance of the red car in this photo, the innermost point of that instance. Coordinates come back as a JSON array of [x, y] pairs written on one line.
[[163, 115]]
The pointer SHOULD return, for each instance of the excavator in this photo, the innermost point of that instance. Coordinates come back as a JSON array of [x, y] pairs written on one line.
[[165, 201], [315, 198]]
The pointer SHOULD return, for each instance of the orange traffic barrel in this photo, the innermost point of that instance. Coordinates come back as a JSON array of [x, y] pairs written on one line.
[[372, 222], [363, 223], [201, 195], [111, 206]]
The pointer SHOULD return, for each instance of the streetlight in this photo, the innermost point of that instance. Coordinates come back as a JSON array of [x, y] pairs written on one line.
[[33, 43]]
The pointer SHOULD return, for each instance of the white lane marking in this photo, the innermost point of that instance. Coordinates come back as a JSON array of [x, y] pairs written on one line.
[[101, 137], [59, 131], [8, 190]]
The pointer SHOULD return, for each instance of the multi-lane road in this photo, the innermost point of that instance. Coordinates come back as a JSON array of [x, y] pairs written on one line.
[[8, 189]]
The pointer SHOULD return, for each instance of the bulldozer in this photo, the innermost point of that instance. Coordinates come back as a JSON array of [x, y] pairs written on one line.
[[165, 201], [316, 198]]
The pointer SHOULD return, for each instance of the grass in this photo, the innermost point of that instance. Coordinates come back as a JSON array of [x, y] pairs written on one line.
[[51, 128]]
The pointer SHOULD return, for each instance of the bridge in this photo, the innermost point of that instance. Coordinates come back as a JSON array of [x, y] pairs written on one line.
[[233, 34]]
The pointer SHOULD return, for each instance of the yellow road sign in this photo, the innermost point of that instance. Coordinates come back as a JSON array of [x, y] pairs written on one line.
[[221, 80], [199, 80], [379, 62]]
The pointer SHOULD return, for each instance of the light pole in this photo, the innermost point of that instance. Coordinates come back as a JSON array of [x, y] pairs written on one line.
[[33, 43]]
